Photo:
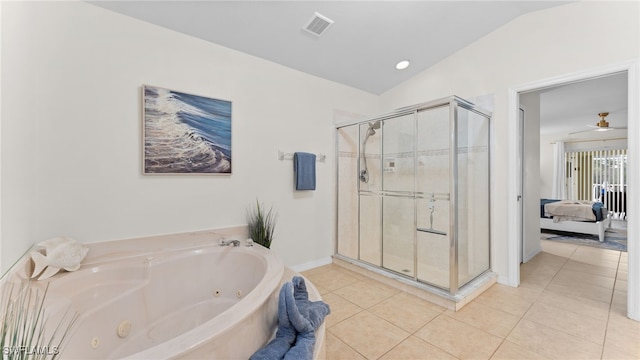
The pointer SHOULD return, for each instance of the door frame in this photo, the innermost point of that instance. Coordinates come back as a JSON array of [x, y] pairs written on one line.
[[520, 166], [514, 239]]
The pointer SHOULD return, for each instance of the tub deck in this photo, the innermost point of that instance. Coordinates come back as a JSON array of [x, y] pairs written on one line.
[[160, 297]]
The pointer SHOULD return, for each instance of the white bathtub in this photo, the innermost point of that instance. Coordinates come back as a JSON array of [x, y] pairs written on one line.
[[173, 297]]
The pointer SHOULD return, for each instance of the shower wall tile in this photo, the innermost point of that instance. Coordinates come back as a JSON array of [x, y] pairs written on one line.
[[347, 243], [348, 205], [370, 231]]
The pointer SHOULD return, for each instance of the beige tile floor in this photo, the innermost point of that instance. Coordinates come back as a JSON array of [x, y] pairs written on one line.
[[571, 305]]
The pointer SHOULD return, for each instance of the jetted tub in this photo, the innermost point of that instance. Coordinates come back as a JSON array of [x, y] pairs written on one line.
[[164, 299]]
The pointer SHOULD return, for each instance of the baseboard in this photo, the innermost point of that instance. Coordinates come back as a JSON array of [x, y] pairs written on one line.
[[532, 254], [504, 280], [312, 264]]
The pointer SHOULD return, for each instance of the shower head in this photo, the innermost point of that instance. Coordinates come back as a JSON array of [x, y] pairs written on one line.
[[373, 127], [371, 130]]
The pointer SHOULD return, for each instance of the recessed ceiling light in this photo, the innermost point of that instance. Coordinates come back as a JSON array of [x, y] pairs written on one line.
[[402, 65]]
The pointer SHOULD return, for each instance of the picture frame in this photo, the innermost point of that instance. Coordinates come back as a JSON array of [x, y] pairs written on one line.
[[184, 133]]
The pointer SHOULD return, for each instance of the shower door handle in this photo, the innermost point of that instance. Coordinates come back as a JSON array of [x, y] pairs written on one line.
[[432, 231]]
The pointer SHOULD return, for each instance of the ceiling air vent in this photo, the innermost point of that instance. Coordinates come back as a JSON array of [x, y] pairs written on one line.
[[318, 24]]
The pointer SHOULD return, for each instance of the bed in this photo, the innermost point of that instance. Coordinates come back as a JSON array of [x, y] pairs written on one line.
[[584, 217]]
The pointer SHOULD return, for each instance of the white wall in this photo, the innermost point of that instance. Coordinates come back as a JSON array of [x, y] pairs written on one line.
[[535, 46], [71, 120], [18, 152], [1, 267], [71, 133]]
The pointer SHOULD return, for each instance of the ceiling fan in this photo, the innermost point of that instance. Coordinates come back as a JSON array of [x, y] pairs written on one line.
[[602, 125]]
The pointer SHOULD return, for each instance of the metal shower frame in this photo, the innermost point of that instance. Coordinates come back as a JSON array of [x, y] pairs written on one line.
[[453, 102]]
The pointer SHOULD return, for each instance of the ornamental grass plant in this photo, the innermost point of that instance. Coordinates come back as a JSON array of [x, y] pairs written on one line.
[[24, 334], [262, 224]]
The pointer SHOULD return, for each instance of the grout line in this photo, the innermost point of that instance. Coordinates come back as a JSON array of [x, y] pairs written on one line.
[[427, 341], [347, 345], [515, 326], [387, 321], [613, 292], [350, 316], [535, 300], [502, 342], [610, 302], [394, 325]]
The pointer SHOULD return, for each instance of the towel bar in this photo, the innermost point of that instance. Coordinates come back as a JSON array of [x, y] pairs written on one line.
[[289, 156]]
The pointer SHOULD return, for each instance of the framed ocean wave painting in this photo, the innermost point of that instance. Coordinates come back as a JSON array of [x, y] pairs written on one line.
[[185, 133]]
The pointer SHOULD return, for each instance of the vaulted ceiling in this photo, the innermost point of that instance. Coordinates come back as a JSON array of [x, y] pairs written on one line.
[[360, 48], [367, 39]]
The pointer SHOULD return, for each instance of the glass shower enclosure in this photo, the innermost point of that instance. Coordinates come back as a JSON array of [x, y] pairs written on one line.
[[413, 193]]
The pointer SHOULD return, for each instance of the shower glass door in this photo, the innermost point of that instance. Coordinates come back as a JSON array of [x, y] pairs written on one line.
[[433, 205], [473, 195], [413, 193], [369, 189], [398, 219]]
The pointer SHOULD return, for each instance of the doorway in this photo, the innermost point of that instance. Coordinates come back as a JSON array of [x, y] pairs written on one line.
[[631, 69]]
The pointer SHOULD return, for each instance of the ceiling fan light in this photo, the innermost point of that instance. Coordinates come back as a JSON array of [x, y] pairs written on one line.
[[602, 125]]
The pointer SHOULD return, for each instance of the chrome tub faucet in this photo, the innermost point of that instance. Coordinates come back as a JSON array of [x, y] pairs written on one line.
[[230, 242]]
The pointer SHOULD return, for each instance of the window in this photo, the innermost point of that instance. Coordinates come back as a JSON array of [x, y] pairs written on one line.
[[598, 175]]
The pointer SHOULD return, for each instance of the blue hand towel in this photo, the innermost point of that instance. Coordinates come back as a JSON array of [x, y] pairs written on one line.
[[304, 167], [285, 335]]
